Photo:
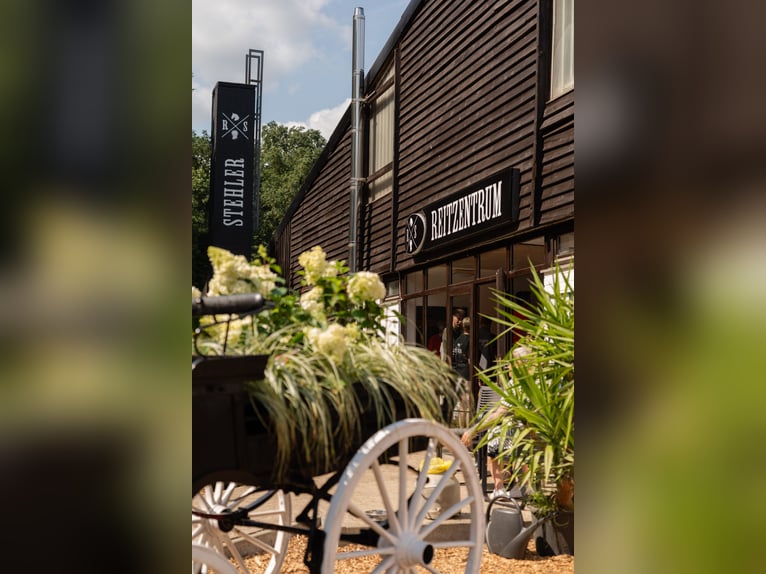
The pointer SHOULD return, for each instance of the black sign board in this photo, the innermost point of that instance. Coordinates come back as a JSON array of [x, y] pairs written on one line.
[[470, 214], [231, 168]]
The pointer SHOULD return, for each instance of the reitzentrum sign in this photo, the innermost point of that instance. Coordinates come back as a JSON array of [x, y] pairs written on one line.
[[231, 167], [491, 204]]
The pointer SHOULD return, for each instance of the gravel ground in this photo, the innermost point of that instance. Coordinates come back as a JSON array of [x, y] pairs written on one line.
[[448, 561]]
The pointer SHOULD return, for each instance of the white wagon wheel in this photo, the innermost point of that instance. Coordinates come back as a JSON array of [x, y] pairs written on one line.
[[405, 543], [202, 555], [241, 541]]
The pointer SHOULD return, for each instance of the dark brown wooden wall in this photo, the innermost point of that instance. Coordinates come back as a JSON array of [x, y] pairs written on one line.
[[557, 186], [467, 78], [323, 216], [467, 106], [376, 235]]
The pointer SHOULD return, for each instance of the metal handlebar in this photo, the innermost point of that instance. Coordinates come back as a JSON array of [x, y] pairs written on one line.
[[240, 303]]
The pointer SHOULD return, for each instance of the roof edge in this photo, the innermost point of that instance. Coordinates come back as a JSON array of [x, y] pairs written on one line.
[[345, 121], [392, 41], [332, 143]]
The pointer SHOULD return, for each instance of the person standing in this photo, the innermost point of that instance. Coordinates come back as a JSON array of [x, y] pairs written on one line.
[[446, 353], [435, 340], [457, 320], [460, 362], [461, 347], [496, 451]]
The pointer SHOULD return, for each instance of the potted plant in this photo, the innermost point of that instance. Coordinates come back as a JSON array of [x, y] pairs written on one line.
[[333, 371], [538, 391]]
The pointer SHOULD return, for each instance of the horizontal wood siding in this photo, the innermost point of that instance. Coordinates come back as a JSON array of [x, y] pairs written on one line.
[[282, 246], [557, 184], [467, 80], [375, 242], [323, 216], [466, 108]]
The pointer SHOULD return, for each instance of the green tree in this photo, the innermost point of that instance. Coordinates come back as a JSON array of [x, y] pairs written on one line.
[[287, 156], [201, 269]]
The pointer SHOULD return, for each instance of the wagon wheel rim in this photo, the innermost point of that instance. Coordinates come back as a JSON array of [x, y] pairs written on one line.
[[406, 542], [241, 541], [205, 556]]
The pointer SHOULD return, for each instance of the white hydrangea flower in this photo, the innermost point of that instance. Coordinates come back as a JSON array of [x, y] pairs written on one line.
[[365, 286], [315, 265], [196, 293], [234, 274], [228, 272], [264, 278], [312, 302], [352, 332], [330, 341]]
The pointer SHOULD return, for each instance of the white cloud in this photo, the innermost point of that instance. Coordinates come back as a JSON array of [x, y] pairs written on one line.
[[224, 30], [307, 58], [202, 104], [327, 120]]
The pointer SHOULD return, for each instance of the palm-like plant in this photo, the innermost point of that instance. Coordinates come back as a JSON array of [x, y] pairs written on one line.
[[538, 388]]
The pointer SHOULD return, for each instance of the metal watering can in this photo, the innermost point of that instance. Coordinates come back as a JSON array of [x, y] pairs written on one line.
[[505, 533]]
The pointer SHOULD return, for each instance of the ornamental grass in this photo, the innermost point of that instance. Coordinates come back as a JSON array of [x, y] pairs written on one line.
[[335, 367]]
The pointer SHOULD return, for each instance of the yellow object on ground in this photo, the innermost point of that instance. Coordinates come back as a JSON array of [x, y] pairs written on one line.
[[437, 465]]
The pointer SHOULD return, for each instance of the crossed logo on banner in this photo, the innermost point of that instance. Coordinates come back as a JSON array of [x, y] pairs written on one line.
[[238, 127]]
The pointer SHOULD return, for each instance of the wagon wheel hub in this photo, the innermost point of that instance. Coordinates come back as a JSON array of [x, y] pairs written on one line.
[[224, 523], [414, 552], [410, 550]]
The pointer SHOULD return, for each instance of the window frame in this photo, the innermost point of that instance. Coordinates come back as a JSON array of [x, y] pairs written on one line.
[[562, 44], [376, 173]]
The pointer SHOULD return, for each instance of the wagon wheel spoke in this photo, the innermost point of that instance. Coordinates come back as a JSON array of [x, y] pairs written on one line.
[[256, 541], [350, 555], [384, 566], [412, 505], [422, 476]]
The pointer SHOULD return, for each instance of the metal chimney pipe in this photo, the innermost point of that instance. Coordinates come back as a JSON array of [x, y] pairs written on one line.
[[357, 66]]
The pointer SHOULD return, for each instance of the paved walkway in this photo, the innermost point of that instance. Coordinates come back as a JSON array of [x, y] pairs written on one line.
[[367, 497]]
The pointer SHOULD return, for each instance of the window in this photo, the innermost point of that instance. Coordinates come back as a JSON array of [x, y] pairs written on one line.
[[437, 276], [380, 180], [392, 288], [391, 322], [562, 54], [413, 282], [491, 261], [463, 269], [531, 251], [565, 245]]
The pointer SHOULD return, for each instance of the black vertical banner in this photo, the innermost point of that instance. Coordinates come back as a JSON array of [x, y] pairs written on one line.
[[231, 169]]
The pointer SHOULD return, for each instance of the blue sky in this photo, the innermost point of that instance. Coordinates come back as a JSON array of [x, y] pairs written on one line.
[[307, 54]]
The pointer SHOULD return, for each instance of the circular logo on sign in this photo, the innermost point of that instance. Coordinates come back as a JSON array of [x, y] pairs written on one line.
[[415, 233]]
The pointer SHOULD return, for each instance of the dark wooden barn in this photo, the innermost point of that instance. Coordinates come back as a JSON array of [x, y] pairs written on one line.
[[465, 95]]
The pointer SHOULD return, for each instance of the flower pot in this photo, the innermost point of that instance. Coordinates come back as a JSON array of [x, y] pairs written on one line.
[[556, 535]]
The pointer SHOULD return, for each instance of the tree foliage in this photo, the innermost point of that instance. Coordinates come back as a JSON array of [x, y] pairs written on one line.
[[201, 269], [287, 156]]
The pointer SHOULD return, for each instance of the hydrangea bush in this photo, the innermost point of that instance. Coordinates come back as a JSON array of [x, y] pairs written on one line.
[[324, 343]]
